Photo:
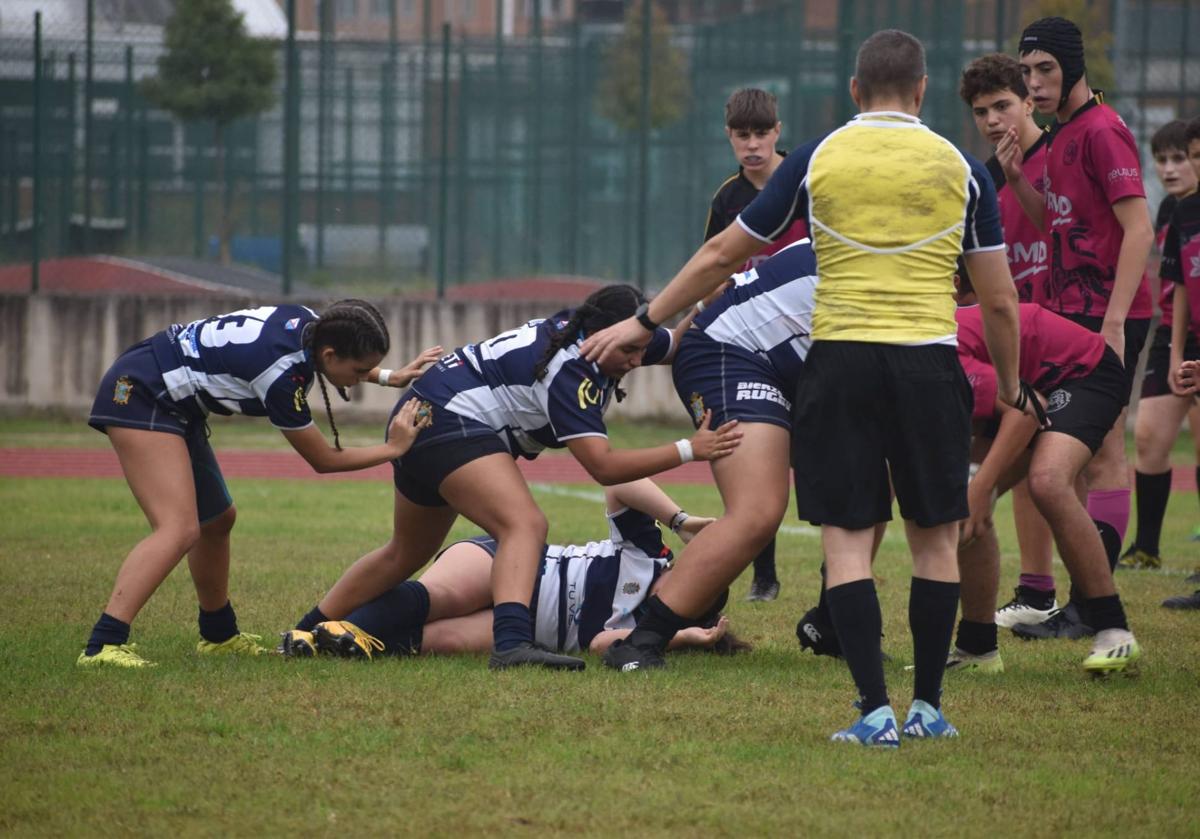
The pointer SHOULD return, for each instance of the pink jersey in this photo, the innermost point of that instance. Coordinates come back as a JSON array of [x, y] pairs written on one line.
[[1025, 245], [1181, 254], [1053, 350], [1091, 164]]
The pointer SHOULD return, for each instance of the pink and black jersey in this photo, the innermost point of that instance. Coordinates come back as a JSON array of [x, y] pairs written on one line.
[[1092, 163], [1053, 350], [1162, 223], [1181, 254], [1025, 244], [731, 198]]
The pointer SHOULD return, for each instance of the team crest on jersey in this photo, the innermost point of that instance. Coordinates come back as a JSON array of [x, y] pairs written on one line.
[[588, 394], [122, 391], [631, 588], [696, 403], [292, 324], [1072, 152], [299, 400], [1057, 401]]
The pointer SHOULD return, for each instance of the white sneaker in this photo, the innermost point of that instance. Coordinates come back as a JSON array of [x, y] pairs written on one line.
[[1018, 611]]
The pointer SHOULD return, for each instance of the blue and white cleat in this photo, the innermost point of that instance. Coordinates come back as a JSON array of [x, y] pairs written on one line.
[[877, 728], [924, 720]]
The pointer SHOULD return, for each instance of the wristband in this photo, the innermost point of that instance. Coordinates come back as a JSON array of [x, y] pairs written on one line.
[[385, 376], [677, 521], [684, 447], [642, 315], [699, 305]]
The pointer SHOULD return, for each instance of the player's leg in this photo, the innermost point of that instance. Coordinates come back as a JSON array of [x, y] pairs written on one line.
[[159, 473], [1034, 597], [765, 585], [1159, 419], [458, 636], [1194, 425]]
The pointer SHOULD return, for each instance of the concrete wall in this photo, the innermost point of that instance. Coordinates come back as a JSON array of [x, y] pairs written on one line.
[[55, 348]]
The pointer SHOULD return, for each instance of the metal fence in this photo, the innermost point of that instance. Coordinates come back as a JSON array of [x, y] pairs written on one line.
[[421, 165]]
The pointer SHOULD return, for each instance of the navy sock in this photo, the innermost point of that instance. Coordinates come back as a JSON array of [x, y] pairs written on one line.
[[108, 630], [219, 626], [976, 638], [657, 626], [1106, 613], [1153, 492], [764, 564], [314, 617], [396, 617], [854, 609], [932, 605], [512, 625]]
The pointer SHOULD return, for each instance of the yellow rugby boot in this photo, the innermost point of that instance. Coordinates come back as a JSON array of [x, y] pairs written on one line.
[[114, 655]]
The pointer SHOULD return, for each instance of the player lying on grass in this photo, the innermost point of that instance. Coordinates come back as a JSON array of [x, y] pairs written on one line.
[[513, 396], [1079, 375], [153, 404], [586, 596]]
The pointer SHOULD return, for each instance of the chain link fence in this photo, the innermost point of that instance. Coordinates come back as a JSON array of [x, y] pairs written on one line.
[[451, 159]]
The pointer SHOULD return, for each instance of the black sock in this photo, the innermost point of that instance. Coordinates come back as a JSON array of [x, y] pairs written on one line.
[[314, 617], [1112, 542], [976, 638], [1106, 613], [396, 617], [764, 564], [854, 610], [932, 606], [219, 626], [1036, 599], [108, 630], [823, 600], [1153, 492], [512, 626], [657, 626]]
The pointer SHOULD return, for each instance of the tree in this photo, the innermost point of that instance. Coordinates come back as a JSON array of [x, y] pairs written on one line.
[[1097, 37], [621, 88], [213, 71]]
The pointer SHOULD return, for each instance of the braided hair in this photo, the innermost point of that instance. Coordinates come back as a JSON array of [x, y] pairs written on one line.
[[352, 328], [603, 307]]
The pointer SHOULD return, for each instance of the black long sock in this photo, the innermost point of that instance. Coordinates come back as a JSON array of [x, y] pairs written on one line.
[[854, 610], [1106, 613], [932, 605], [657, 626], [1112, 542], [396, 617], [218, 626], [764, 564], [108, 630], [314, 617], [823, 600], [976, 638], [1153, 492]]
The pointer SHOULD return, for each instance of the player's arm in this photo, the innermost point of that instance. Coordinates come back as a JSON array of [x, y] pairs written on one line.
[[407, 374], [609, 466], [1179, 335], [1134, 217], [1011, 158], [648, 497], [311, 444], [997, 297], [1012, 439], [691, 636]]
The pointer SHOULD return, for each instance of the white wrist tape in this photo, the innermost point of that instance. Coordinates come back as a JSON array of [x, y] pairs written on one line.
[[684, 447], [385, 376]]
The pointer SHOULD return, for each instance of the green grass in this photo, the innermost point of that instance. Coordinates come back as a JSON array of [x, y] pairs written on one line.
[[713, 746]]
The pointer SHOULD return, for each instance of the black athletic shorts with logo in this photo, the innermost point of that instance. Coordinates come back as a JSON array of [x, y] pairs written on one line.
[[862, 409], [1158, 361], [1136, 333], [1086, 408]]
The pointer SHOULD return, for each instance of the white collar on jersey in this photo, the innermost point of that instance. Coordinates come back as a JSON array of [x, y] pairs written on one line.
[[887, 115]]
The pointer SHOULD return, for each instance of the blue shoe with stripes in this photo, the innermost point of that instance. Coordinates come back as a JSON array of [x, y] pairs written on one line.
[[877, 728], [924, 720]]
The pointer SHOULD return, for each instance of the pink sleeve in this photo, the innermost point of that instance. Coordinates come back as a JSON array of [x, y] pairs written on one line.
[[1115, 163], [984, 388]]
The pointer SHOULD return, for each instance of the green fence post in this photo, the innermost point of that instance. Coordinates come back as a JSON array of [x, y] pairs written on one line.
[[198, 201], [291, 155], [348, 154], [444, 166], [88, 138], [114, 174], [574, 161], [643, 204], [536, 135], [386, 159], [324, 11], [255, 126], [1000, 24], [36, 221], [498, 179], [462, 161], [1183, 56], [127, 145], [845, 59], [143, 226], [68, 177]]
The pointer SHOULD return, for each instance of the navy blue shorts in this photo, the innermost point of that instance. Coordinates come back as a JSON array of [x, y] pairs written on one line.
[[450, 442], [132, 395], [732, 382]]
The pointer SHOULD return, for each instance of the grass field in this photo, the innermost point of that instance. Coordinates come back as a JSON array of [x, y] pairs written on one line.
[[713, 746]]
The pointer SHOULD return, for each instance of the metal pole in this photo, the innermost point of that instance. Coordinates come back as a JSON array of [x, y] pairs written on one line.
[[537, 133], [1000, 25], [143, 227], [291, 156], [386, 162], [1183, 56], [348, 154], [462, 159], [198, 201], [574, 164], [643, 204], [88, 78], [128, 144], [498, 112], [324, 8], [68, 179], [444, 166], [36, 222]]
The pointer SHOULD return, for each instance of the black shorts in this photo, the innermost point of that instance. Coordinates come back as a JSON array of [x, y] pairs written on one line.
[[1088, 407], [454, 441], [1136, 333], [1158, 361], [862, 409]]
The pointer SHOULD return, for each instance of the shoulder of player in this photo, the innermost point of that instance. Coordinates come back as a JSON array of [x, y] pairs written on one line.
[[727, 186]]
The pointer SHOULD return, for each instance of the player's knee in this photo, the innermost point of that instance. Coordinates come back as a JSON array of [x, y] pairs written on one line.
[[527, 523], [1047, 486], [221, 524], [183, 535]]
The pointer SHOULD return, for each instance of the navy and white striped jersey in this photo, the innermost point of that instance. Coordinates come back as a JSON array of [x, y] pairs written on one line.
[[768, 309], [493, 382], [246, 362]]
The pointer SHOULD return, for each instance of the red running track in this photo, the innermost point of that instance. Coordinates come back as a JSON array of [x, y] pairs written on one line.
[[549, 468]]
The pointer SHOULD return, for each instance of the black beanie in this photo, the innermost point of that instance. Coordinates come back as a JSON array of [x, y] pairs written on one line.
[[1063, 40]]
